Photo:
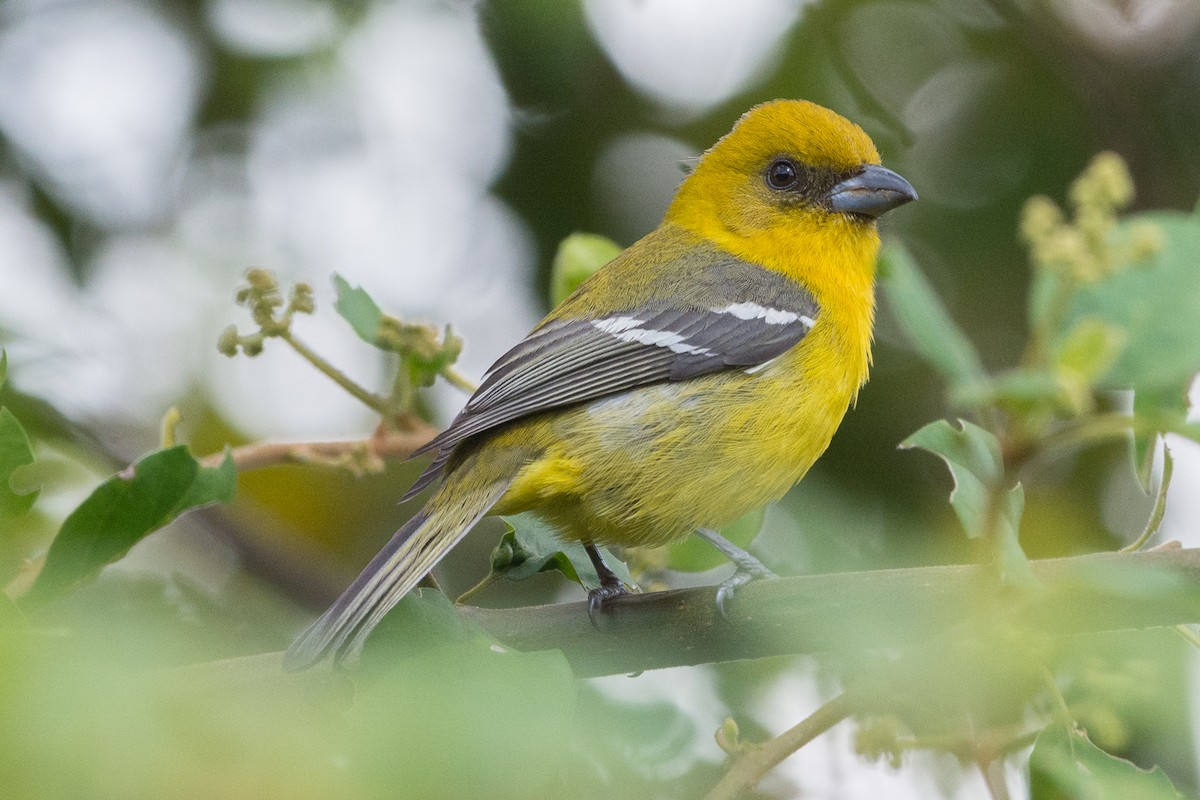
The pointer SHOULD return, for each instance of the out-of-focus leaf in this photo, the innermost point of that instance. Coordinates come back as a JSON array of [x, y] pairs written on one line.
[[15, 452], [693, 554], [531, 546], [1090, 348], [973, 456], [468, 700], [1067, 766], [1013, 563], [123, 510], [579, 255], [424, 618], [1018, 390], [1155, 303], [924, 320], [356, 307]]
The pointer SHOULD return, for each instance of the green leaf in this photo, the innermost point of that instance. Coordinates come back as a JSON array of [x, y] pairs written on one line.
[[531, 546], [1167, 409], [445, 695], [579, 255], [1090, 348], [356, 307], [693, 554], [973, 456], [123, 510], [1069, 766], [1011, 559], [1018, 390], [15, 452], [931, 331], [1155, 303]]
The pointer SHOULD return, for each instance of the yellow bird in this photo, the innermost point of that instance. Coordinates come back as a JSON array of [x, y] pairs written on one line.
[[694, 378]]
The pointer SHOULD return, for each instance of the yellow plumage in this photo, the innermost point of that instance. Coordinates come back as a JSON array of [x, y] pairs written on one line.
[[694, 378]]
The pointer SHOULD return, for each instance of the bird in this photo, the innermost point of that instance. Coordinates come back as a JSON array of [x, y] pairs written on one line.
[[694, 378]]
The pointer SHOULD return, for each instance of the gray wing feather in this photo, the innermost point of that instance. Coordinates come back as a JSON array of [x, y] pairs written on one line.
[[751, 317]]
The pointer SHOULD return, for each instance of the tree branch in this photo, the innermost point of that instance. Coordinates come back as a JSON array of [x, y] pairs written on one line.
[[854, 610], [841, 612], [757, 761], [385, 444]]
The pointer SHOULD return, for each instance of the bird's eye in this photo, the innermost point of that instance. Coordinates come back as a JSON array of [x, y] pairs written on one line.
[[782, 174]]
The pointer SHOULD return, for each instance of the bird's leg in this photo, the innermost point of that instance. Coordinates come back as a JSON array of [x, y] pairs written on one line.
[[748, 567], [610, 585]]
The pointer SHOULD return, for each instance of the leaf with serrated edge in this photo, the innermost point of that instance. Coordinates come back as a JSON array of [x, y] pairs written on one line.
[[973, 457]]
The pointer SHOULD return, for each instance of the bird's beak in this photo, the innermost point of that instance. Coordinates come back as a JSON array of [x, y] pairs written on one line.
[[871, 193]]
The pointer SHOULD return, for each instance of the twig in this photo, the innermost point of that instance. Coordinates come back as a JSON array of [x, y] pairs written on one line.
[[369, 399], [385, 445], [749, 769], [458, 380]]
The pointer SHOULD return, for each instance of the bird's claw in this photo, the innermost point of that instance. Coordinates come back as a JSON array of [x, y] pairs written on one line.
[[599, 597], [745, 573]]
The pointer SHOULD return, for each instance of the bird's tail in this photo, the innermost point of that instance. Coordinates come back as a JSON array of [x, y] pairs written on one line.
[[410, 554]]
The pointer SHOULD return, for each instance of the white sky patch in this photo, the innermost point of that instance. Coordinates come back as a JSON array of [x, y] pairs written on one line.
[[689, 56]]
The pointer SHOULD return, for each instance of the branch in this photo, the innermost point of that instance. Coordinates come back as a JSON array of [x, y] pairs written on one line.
[[853, 611], [385, 444], [841, 612], [750, 768]]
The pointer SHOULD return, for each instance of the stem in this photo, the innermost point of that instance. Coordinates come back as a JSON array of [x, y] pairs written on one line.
[[1160, 505], [1092, 430], [458, 380], [487, 581], [993, 778], [747, 771], [1037, 353], [389, 445], [367, 398], [170, 425]]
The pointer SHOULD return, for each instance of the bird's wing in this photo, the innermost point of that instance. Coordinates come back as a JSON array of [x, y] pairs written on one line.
[[744, 316]]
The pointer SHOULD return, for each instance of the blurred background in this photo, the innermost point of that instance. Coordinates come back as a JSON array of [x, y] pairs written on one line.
[[435, 153]]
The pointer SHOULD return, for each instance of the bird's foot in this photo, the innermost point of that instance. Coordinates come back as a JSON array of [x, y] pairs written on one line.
[[610, 587], [599, 597], [749, 568], [746, 572]]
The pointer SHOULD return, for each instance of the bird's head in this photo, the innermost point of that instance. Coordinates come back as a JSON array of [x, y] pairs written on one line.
[[786, 167]]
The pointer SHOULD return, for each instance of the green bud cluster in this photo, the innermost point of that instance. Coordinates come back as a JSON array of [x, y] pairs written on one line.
[[264, 298], [1083, 247]]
